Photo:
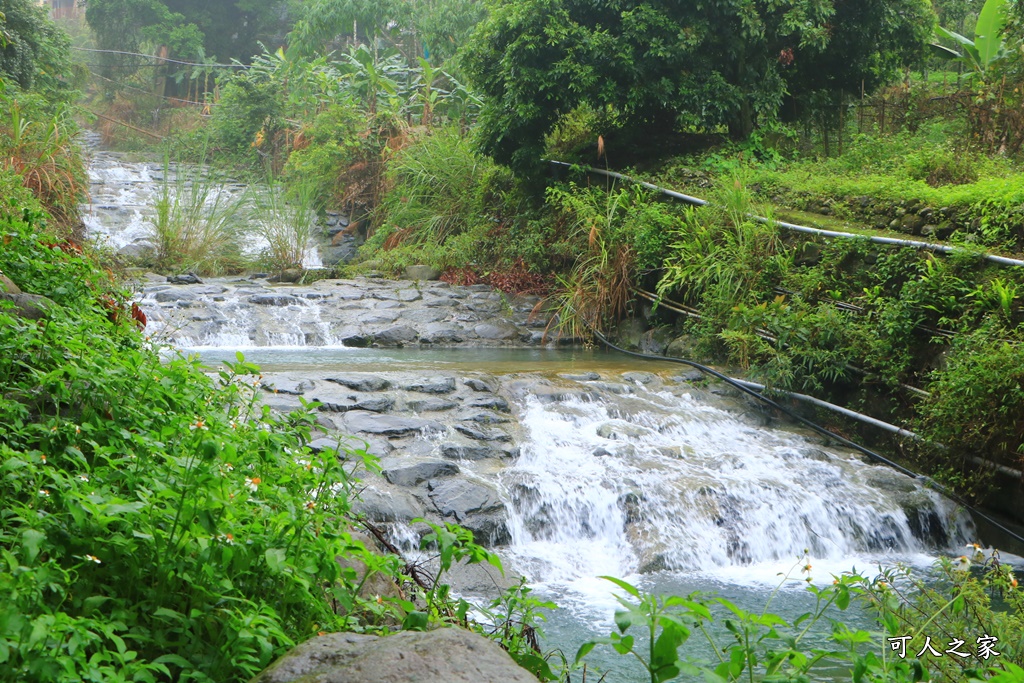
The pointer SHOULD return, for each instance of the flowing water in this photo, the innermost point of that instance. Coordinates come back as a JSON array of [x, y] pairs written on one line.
[[656, 481], [124, 191]]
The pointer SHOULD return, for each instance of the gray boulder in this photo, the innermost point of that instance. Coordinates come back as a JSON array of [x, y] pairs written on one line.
[[388, 506], [28, 306], [460, 498], [446, 655], [401, 474], [168, 295], [273, 299], [7, 285], [422, 273], [397, 335]]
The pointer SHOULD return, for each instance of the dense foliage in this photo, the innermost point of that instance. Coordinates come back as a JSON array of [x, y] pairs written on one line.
[[685, 66], [33, 51]]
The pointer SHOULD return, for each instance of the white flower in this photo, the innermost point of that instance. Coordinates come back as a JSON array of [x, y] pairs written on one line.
[[93, 558], [253, 483]]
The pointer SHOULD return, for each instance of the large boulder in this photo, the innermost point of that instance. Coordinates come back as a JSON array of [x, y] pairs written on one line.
[[446, 655], [7, 285], [387, 425], [28, 306]]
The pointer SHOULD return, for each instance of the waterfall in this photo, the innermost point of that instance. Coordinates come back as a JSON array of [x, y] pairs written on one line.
[[658, 480]]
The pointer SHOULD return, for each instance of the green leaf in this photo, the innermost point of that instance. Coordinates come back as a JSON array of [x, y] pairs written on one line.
[[988, 31], [415, 621], [31, 539], [623, 620], [584, 650], [276, 559], [629, 588]]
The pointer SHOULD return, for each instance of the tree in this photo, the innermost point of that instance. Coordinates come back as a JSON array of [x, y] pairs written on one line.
[[665, 65], [33, 50]]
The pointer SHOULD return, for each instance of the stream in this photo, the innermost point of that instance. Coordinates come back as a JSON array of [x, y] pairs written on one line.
[[569, 463]]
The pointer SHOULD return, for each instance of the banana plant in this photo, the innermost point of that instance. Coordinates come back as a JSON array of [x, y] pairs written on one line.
[[988, 46]]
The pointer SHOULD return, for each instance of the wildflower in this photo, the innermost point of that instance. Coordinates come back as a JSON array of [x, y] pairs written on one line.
[[253, 483], [310, 505], [43, 458], [84, 478], [233, 424], [1013, 582], [807, 567], [962, 563], [53, 429], [44, 493], [226, 538], [93, 558], [78, 430], [198, 424]]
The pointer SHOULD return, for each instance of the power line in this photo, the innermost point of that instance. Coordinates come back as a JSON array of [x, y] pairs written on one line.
[[163, 59]]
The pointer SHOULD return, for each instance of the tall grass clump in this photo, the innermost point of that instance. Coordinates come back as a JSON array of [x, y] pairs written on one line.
[[284, 223], [196, 221], [441, 199]]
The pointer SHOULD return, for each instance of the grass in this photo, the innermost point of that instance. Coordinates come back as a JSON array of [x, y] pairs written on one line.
[[285, 223]]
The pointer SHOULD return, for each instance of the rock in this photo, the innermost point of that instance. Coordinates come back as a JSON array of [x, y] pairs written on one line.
[[655, 342], [169, 295], [580, 376], [184, 279], [389, 425], [682, 347], [360, 381], [326, 443], [485, 417], [489, 529], [912, 224], [422, 273], [354, 340], [442, 333], [478, 385], [620, 429], [459, 498], [388, 506], [488, 402], [28, 306], [290, 386], [374, 404], [401, 474], [291, 275], [430, 405], [629, 332], [496, 331], [445, 655], [7, 285], [273, 299], [640, 377], [432, 385], [396, 336], [456, 451], [690, 376], [482, 433], [140, 250]]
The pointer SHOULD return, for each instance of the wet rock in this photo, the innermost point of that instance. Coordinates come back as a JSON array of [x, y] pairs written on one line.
[[488, 402], [389, 425], [624, 450], [326, 443], [629, 333], [580, 376], [638, 377], [655, 342], [169, 295], [483, 417], [360, 381], [388, 506], [291, 275], [287, 385], [444, 655], [374, 404], [422, 273], [690, 376], [460, 498], [401, 474], [28, 306], [682, 347], [7, 285], [397, 335], [354, 340], [478, 385], [430, 405], [482, 433], [273, 299], [184, 279], [457, 451], [620, 429], [432, 385]]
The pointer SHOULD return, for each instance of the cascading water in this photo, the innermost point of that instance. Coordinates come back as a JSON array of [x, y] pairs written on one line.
[[123, 201], [657, 480]]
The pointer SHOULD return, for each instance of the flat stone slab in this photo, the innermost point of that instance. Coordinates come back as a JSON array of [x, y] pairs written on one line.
[[401, 474], [360, 381], [389, 425], [432, 385]]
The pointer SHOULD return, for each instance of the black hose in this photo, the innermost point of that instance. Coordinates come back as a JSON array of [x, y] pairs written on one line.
[[927, 481]]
